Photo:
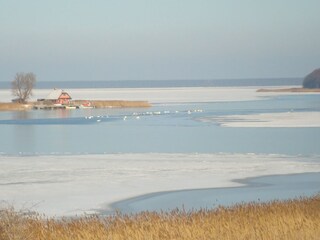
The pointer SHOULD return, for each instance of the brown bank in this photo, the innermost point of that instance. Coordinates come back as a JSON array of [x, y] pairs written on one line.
[[7, 106], [298, 90]]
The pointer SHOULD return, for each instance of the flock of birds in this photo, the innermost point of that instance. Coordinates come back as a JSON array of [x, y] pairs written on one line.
[[137, 115]]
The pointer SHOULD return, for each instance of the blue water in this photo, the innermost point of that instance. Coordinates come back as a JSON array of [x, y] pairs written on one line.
[[169, 129], [259, 189]]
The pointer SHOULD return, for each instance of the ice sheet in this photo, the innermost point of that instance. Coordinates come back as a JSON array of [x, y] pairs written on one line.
[[70, 185], [287, 119], [160, 95]]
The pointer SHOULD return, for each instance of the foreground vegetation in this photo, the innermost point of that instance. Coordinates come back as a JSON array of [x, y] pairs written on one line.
[[294, 219]]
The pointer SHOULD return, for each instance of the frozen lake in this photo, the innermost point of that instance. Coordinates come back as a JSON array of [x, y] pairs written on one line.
[[67, 162]]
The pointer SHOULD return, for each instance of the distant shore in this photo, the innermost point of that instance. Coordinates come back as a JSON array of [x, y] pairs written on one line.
[[289, 90], [9, 106], [145, 97]]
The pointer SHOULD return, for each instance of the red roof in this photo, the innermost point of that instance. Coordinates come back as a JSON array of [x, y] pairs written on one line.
[[64, 95], [58, 94]]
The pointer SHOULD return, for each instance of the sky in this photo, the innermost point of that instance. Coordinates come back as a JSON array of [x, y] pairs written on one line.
[[80, 40]]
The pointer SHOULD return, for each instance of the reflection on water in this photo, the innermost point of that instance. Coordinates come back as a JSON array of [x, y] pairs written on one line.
[[63, 113], [24, 139], [21, 114]]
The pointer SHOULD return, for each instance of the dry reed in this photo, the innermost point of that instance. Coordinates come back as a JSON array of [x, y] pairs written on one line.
[[118, 103], [14, 106], [294, 219], [9, 106]]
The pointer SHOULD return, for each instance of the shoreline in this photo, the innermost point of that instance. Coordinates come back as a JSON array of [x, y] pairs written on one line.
[[9, 106], [161, 95], [289, 90], [248, 183]]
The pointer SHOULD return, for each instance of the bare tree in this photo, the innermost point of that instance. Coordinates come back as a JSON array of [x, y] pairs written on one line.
[[22, 86]]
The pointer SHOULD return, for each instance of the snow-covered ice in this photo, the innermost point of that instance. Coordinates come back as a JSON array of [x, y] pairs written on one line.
[[70, 185], [286, 119]]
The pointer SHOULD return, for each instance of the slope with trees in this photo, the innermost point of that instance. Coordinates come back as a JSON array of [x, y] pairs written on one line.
[[312, 80]]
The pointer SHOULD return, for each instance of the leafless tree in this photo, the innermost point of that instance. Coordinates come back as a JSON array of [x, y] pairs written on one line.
[[22, 86]]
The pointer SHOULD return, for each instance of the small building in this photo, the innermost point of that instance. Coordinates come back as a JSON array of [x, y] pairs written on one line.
[[58, 96]]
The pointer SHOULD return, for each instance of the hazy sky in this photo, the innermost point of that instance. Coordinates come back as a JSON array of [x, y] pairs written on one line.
[[158, 39]]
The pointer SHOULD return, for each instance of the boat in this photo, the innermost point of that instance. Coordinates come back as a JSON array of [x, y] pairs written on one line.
[[85, 105], [70, 107]]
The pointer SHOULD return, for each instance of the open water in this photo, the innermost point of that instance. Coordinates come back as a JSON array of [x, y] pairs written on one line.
[[161, 128]]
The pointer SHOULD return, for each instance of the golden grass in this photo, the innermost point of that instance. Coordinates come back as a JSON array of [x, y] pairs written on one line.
[[14, 106], [115, 103], [9, 106], [294, 219]]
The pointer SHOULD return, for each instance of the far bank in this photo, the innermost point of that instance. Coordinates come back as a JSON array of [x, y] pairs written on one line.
[[10, 106], [290, 90]]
